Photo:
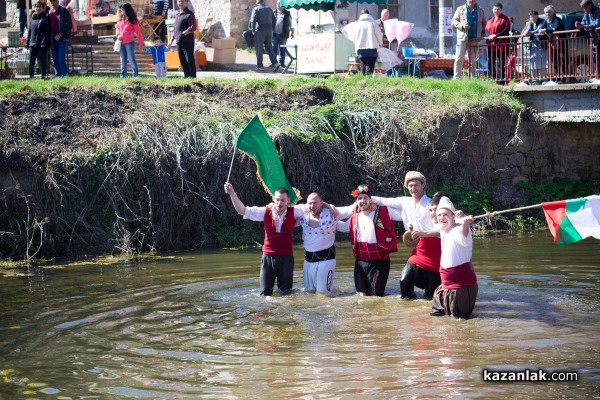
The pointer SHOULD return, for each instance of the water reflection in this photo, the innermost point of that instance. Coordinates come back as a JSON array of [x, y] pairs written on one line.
[[196, 327]]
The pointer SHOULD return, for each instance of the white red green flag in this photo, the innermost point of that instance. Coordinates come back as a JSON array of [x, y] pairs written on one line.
[[572, 220]]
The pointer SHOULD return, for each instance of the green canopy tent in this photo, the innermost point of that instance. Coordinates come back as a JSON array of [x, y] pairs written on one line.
[[322, 5], [317, 5]]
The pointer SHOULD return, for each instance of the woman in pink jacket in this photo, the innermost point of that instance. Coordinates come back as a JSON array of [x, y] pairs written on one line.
[[127, 26]]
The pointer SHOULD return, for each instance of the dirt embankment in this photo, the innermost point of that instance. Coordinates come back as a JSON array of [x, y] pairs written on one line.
[[88, 172]]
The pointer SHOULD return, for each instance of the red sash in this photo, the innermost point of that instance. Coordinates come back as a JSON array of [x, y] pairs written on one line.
[[458, 277], [427, 254]]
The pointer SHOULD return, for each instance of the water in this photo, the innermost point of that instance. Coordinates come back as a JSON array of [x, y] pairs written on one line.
[[193, 326]]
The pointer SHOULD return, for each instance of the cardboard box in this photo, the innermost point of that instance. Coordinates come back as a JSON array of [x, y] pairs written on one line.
[[224, 56], [224, 43]]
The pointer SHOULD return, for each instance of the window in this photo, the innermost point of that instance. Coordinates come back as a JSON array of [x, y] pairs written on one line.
[[434, 14], [395, 8]]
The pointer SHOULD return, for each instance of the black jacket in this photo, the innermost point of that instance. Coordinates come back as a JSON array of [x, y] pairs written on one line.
[[287, 22], [65, 24], [39, 32]]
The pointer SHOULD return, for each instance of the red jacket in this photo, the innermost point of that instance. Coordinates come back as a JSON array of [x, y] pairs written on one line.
[[279, 243], [385, 232]]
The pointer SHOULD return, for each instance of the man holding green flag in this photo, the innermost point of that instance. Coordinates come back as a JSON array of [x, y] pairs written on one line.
[[279, 220]]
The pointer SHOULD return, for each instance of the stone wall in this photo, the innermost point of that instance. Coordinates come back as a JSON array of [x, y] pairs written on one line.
[[12, 14], [230, 17]]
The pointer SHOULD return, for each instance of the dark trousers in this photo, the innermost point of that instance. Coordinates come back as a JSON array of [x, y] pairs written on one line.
[[22, 21], [278, 40], [367, 59], [458, 303], [186, 58], [262, 41], [497, 55], [41, 55], [162, 26], [370, 277], [280, 268], [414, 276], [249, 38]]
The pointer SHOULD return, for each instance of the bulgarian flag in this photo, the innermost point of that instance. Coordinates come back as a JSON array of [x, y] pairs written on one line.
[[570, 221], [257, 144]]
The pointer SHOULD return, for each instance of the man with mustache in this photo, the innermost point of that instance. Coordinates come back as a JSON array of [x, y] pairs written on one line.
[[277, 261]]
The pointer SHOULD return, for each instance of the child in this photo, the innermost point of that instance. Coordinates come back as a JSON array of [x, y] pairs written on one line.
[[158, 57], [38, 39], [457, 294]]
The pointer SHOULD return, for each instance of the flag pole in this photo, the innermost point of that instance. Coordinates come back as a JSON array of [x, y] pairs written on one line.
[[231, 165], [493, 213]]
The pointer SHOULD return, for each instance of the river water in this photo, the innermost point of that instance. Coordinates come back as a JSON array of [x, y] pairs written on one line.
[[194, 326]]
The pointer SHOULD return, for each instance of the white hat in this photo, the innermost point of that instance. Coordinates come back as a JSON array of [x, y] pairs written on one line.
[[446, 203]]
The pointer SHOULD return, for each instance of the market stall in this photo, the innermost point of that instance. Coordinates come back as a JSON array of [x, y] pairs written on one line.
[[320, 45]]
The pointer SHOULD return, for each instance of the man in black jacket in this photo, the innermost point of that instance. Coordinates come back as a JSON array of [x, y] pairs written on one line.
[[282, 32], [263, 21]]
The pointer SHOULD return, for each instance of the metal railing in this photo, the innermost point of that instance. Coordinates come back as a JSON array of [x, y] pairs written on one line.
[[565, 57]]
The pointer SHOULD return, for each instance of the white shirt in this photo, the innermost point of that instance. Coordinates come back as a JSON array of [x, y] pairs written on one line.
[[323, 236], [413, 214], [258, 214], [457, 249], [365, 227]]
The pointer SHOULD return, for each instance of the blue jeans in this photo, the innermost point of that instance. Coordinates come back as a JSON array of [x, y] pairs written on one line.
[[128, 52], [278, 40], [22, 21], [59, 57]]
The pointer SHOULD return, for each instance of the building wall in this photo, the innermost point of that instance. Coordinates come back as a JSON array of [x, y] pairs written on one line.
[[230, 15], [12, 14]]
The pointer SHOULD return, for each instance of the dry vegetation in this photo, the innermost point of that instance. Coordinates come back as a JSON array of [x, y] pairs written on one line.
[[88, 171]]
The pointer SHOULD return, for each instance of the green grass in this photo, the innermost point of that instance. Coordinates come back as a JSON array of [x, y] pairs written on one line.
[[359, 91]]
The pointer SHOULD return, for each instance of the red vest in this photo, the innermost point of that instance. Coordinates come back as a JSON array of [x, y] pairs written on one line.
[[458, 277], [279, 243], [385, 233], [426, 255]]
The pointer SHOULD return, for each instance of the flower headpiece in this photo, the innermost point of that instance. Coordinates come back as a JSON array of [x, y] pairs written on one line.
[[361, 189]]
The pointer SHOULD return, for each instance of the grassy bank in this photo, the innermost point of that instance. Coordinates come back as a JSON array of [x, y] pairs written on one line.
[[94, 165]]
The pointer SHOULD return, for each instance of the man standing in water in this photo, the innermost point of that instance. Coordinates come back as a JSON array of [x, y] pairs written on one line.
[[373, 238], [318, 234], [423, 265], [277, 261]]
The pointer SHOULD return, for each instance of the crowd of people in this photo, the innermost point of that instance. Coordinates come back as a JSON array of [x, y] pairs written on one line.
[[50, 28], [440, 263], [547, 47]]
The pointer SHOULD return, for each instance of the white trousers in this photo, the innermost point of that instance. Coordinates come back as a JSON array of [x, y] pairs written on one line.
[[318, 276]]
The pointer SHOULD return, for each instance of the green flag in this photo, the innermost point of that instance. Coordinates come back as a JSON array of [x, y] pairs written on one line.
[[257, 144]]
